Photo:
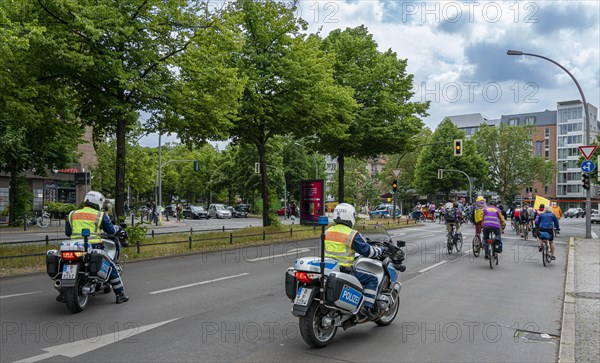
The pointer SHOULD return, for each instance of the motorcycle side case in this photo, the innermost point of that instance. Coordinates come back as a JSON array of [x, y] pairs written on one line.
[[291, 284], [52, 262], [99, 264], [343, 291]]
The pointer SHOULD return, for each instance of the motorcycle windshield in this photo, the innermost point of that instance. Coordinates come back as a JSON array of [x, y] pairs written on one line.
[[374, 233]]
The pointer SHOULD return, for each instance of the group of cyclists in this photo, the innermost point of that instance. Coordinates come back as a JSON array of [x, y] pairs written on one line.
[[490, 218]]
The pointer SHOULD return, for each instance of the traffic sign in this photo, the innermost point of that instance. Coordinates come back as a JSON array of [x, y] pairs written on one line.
[[588, 150], [588, 166], [396, 172]]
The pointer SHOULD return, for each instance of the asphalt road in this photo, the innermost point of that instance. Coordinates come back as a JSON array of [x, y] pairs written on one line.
[[231, 306]]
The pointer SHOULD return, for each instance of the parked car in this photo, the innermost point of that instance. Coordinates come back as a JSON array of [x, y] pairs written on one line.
[[595, 217], [245, 207], [574, 212], [195, 212], [218, 211], [238, 212], [170, 210], [383, 211]]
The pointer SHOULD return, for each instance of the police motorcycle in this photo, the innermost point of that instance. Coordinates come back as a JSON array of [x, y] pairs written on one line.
[[324, 305], [80, 270]]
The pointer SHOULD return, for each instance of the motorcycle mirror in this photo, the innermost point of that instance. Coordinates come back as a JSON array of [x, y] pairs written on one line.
[[401, 243]]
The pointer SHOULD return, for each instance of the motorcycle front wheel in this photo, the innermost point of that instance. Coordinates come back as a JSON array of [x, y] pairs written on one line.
[[75, 299], [311, 328]]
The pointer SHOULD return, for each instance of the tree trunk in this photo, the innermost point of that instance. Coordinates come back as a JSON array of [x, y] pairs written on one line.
[[12, 196], [120, 167], [263, 180], [340, 161]]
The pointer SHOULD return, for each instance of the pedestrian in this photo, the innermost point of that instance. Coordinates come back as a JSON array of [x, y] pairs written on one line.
[[179, 211], [556, 210]]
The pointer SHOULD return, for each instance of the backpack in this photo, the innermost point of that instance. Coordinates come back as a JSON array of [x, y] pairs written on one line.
[[478, 215], [450, 215]]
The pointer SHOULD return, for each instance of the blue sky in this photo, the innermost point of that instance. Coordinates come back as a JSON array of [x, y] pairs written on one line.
[[456, 50]]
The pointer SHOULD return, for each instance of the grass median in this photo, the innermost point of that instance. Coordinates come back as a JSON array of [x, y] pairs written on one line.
[[23, 258]]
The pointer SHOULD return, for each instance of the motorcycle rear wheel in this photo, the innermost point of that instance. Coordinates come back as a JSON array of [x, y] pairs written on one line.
[[311, 330], [391, 314], [76, 301]]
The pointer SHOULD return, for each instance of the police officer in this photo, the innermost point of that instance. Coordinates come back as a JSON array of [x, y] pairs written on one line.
[[341, 243], [93, 217]]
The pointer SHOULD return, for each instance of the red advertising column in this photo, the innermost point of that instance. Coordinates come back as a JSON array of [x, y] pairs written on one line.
[[312, 201]]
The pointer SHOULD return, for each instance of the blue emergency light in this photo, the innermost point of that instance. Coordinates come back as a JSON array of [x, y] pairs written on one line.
[[323, 220]]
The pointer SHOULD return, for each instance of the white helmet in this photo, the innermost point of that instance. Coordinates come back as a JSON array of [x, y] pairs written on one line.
[[94, 199], [344, 213]]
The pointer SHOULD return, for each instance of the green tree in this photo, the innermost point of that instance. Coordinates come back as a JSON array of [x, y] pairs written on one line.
[[439, 154], [124, 57], [508, 151], [288, 87], [386, 120], [38, 128]]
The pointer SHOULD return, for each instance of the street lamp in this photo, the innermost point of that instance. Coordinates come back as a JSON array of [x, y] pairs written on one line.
[[588, 199]]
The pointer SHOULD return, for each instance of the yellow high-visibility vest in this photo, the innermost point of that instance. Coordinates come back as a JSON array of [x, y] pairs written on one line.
[[338, 244], [86, 218]]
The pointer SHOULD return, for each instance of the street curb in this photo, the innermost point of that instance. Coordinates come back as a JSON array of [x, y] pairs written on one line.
[[566, 350]]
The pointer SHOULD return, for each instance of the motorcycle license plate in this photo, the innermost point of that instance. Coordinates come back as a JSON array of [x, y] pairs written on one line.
[[302, 296], [69, 272]]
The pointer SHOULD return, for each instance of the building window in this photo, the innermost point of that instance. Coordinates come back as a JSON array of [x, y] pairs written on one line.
[[3, 199], [38, 199], [565, 114], [547, 133], [529, 120], [513, 121]]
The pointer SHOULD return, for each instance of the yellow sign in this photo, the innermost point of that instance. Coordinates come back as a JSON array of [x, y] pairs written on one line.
[[540, 200], [389, 199]]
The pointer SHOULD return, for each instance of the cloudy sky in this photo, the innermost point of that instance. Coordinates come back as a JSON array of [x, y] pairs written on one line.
[[456, 50]]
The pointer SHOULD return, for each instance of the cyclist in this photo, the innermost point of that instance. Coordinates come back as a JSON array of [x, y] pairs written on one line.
[[547, 222], [453, 215], [477, 214], [493, 221], [526, 217]]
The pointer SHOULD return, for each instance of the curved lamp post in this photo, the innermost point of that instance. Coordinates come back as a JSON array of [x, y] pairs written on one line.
[[588, 199]]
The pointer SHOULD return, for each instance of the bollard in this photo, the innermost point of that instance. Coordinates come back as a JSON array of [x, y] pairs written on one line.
[[264, 235], [47, 240], [24, 222], [223, 228], [152, 233], [137, 244], [191, 231], [132, 219], [230, 238], [290, 232], [190, 241]]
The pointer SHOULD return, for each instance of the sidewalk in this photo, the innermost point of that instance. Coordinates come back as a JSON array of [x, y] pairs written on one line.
[[580, 333]]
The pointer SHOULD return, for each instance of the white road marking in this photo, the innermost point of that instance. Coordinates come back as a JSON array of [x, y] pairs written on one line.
[[15, 295], [433, 266], [290, 252], [80, 347], [197, 284], [594, 235], [467, 252]]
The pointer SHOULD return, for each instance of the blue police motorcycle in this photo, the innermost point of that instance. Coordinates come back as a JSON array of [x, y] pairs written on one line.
[[325, 304]]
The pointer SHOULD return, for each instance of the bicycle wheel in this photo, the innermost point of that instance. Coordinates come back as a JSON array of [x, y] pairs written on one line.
[[525, 232], [544, 251], [458, 242], [476, 246], [42, 222], [547, 252], [496, 257], [449, 244], [489, 252]]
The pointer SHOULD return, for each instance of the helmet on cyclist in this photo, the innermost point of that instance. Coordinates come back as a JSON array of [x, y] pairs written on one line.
[[479, 198], [94, 199], [344, 214], [493, 202]]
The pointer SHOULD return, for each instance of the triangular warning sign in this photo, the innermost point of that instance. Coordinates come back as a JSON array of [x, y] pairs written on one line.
[[588, 151], [396, 172]]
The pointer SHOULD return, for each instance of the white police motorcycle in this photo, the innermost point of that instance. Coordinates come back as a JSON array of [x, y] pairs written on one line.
[[324, 305], [79, 270]]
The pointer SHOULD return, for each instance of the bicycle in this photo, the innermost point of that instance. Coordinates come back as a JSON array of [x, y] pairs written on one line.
[[477, 241], [545, 239], [493, 246], [454, 240], [42, 221]]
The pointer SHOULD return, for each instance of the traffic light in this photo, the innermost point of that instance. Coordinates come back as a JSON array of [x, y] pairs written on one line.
[[395, 185], [458, 150], [196, 165], [585, 181]]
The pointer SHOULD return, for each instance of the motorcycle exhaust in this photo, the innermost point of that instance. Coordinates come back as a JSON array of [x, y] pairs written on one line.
[[383, 302], [57, 284], [327, 322], [87, 290]]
